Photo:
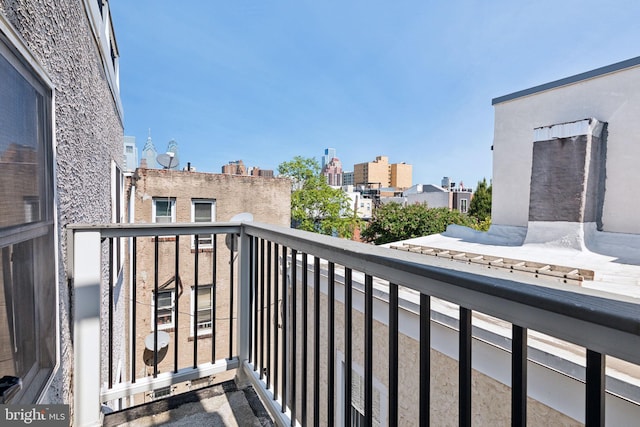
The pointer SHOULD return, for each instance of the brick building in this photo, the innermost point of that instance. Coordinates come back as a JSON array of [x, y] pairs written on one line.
[[160, 196]]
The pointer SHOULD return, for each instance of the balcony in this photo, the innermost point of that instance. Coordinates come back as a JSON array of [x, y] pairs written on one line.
[[333, 332]]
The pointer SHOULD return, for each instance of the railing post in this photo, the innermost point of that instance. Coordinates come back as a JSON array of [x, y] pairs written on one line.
[[243, 304], [86, 253]]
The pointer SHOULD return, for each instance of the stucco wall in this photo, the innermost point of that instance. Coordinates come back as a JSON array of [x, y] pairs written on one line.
[[491, 398], [88, 133], [612, 98]]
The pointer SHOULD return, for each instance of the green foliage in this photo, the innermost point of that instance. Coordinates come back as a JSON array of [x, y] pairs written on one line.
[[315, 206], [392, 222], [480, 206]]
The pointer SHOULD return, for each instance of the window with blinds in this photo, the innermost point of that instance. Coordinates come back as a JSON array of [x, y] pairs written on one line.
[[166, 302], [357, 402], [203, 311], [203, 211]]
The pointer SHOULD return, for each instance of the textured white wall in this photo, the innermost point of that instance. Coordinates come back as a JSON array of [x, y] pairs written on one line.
[[612, 98]]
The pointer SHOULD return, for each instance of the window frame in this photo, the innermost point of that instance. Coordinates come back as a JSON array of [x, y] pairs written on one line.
[[212, 203], [465, 202], [117, 217], [194, 310], [172, 204], [172, 306], [41, 232]]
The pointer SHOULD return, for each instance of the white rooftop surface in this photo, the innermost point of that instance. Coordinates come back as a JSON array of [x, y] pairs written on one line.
[[616, 265], [613, 257]]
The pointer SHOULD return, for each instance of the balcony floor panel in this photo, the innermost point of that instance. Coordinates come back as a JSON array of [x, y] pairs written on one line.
[[219, 405]]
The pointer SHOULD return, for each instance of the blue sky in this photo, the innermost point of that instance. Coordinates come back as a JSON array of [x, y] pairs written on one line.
[[264, 81]]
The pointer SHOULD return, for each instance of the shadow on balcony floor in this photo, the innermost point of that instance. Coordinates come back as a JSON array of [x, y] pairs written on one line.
[[219, 405]]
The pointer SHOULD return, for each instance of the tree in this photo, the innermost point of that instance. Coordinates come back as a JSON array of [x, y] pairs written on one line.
[[480, 206], [315, 206], [392, 222]]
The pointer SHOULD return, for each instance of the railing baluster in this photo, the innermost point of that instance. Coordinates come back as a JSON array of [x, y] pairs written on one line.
[[393, 354], [464, 368], [251, 304], [425, 360], [276, 305], [268, 320], [305, 338], [348, 332], [331, 321], [134, 305], [231, 284], [111, 312], [518, 376], [195, 306], [284, 311], [294, 332], [316, 341], [262, 307], [595, 389], [214, 298], [156, 300], [256, 303], [176, 311], [368, 350]]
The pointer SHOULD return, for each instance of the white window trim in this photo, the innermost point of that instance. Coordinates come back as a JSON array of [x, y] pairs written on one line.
[[193, 219], [172, 201], [380, 390], [203, 331], [117, 196], [173, 310]]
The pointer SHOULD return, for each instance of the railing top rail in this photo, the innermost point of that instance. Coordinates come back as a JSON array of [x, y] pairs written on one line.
[[154, 229], [600, 321]]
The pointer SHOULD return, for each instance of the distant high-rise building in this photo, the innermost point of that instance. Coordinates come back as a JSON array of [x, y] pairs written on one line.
[[347, 178], [150, 154], [130, 154], [376, 173], [401, 175], [172, 147], [329, 153], [381, 174], [332, 170], [235, 168]]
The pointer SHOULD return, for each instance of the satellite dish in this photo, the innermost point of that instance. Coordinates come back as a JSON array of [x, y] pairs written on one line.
[[242, 217], [167, 160], [232, 239], [163, 340]]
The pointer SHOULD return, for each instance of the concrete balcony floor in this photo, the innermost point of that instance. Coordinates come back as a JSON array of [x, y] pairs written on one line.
[[222, 404]]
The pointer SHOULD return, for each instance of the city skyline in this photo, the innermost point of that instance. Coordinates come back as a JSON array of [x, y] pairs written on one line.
[[264, 82]]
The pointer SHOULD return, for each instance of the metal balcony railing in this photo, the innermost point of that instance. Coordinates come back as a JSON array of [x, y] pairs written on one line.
[[280, 322]]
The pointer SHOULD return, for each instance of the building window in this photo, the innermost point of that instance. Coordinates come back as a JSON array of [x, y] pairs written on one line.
[[28, 256], [164, 210], [357, 401], [166, 307], [463, 205], [203, 312], [117, 214], [203, 211]]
